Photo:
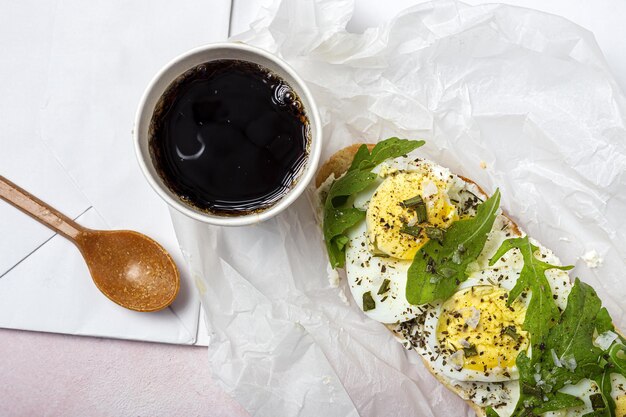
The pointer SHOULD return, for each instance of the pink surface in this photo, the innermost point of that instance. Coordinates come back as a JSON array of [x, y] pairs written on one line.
[[59, 375]]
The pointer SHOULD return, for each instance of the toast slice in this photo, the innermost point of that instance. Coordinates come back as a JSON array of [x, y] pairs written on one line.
[[335, 167]]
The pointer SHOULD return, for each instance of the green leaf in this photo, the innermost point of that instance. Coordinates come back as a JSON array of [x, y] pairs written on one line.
[[604, 322], [573, 337], [339, 220], [530, 395], [570, 339], [336, 222], [435, 233], [617, 355], [559, 401], [339, 215], [490, 412], [411, 230], [361, 155], [389, 148], [341, 241], [351, 183], [542, 313], [439, 267], [568, 336]]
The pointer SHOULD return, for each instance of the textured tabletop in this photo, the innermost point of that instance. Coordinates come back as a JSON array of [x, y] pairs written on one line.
[[59, 375]]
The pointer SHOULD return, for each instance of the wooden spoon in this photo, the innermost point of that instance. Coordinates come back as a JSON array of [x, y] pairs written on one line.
[[131, 269]]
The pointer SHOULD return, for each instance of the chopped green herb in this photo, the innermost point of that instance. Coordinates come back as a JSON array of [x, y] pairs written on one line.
[[597, 402], [339, 214], [420, 212], [411, 230], [417, 204], [435, 233], [384, 287], [511, 331], [470, 351], [368, 302], [413, 202]]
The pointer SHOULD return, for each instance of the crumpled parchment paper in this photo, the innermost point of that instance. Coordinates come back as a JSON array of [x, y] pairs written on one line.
[[512, 98]]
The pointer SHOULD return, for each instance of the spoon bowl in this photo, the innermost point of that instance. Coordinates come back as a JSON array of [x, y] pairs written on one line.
[[131, 269]]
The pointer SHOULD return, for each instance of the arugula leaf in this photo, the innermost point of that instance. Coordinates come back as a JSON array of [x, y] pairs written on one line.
[[573, 337], [338, 222], [542, 313], [617, 356], [439, 267], [339, 215], [350, 184], [341, 241], [389, 148], [558, 402], [490, 412], [361, 155], [604, 322], [531, 396]]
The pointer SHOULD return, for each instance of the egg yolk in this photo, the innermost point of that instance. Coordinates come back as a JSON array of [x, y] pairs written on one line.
[[387, 216], [620, 406], [478, 321]]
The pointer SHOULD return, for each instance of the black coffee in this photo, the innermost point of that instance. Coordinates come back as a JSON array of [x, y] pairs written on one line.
[[229, 137]]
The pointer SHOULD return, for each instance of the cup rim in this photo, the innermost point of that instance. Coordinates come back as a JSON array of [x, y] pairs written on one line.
[[315, 147]]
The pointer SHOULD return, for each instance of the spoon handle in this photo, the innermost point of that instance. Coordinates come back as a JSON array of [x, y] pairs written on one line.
[[39, 210]]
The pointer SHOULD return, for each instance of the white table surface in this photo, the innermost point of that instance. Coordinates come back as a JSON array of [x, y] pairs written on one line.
[[142, 379]]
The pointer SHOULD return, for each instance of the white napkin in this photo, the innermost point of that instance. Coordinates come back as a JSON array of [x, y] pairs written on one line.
[[527, 93], [71, 76]]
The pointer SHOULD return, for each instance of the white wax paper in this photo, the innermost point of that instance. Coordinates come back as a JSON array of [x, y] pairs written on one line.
[[525, 94]]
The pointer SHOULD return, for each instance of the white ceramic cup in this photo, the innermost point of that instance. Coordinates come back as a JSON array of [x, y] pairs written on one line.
[[189, 60]]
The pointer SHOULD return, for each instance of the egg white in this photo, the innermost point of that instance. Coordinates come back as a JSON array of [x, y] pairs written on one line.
[[366, 272]]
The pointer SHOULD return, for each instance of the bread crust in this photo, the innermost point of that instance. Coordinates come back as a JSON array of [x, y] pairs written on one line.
[[338, 163]]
